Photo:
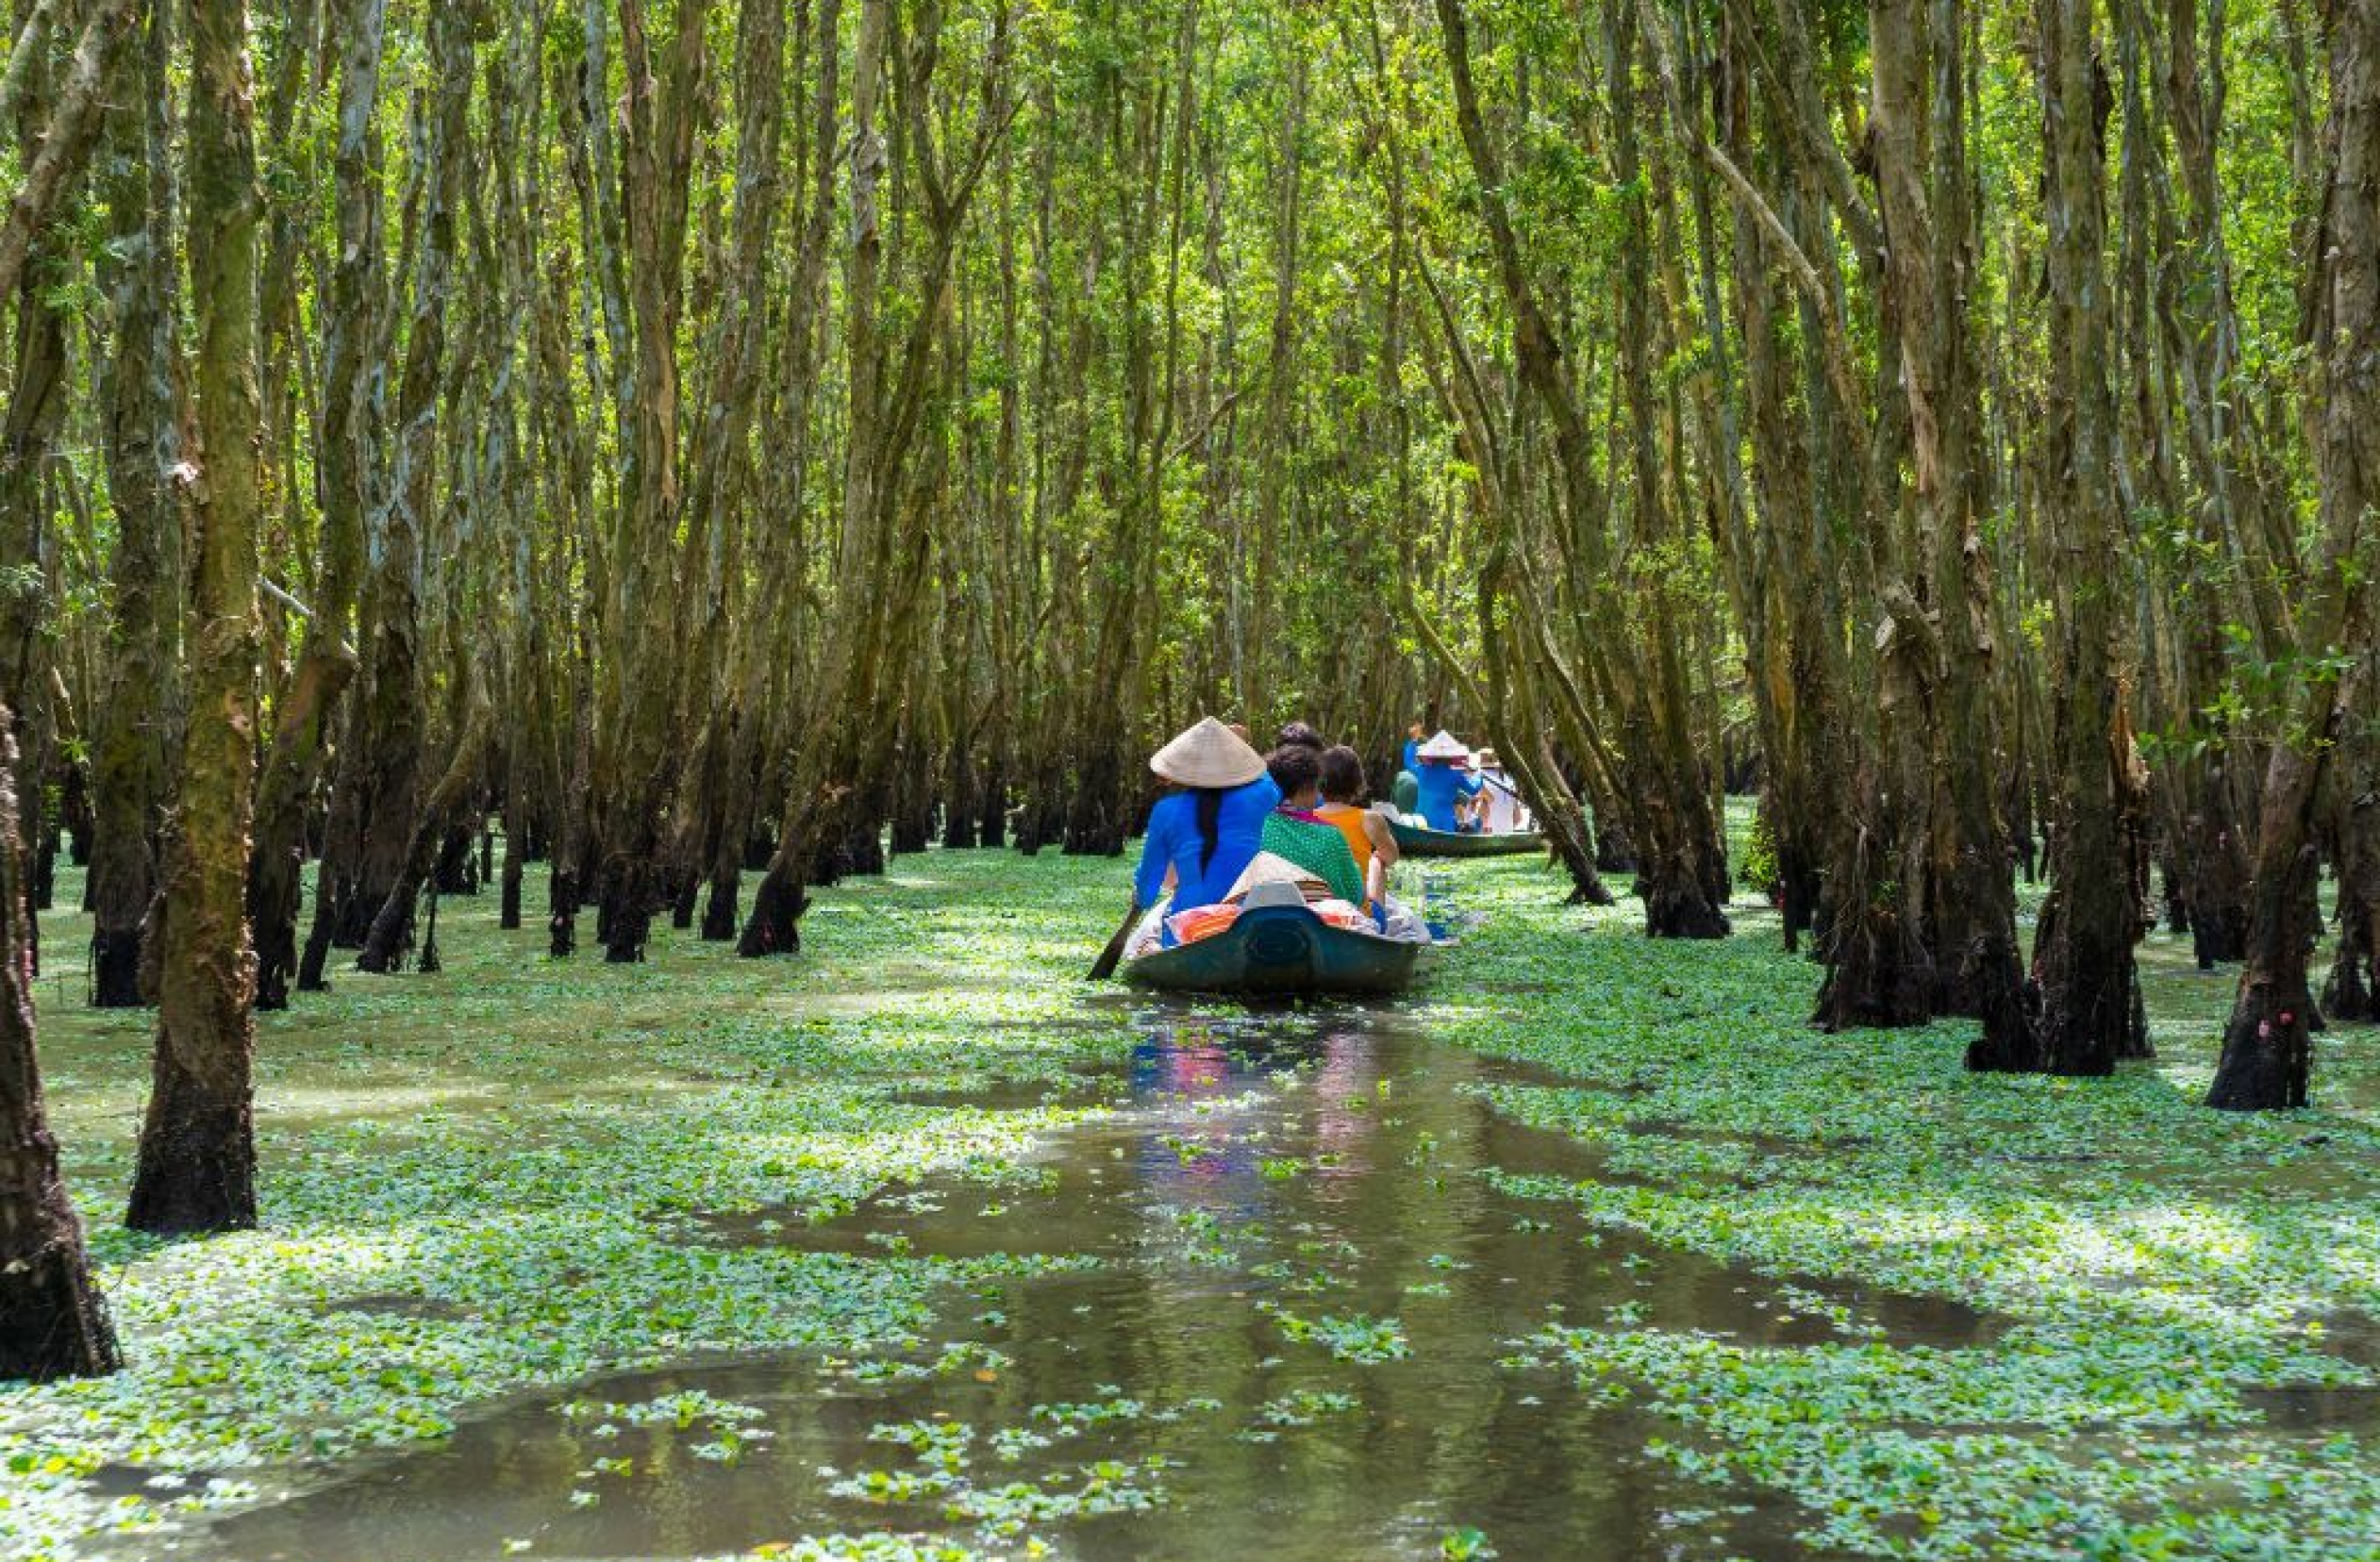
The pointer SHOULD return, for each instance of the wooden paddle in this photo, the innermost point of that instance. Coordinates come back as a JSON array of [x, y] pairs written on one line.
[[1104, 966]]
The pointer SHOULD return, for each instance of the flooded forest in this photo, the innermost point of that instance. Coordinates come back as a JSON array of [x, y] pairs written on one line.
[[1721, 655]]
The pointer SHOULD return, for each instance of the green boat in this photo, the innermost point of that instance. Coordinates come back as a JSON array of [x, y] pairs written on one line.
[[1281, 952], [1420, 842]]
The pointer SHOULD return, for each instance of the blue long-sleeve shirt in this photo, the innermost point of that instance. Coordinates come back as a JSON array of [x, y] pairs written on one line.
[[1173, 842], [1442, 786]]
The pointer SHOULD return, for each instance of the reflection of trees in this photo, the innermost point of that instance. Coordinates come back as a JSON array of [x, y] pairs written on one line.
[[1445, 1438]]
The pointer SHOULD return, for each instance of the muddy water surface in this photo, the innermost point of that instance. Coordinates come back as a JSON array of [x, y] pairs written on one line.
[[1284, 1330]]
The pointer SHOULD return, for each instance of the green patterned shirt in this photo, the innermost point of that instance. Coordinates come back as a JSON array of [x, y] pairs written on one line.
[[1318, 848]]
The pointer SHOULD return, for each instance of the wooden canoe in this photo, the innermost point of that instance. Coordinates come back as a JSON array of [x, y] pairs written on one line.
[[1416, 841], [1281, 952]]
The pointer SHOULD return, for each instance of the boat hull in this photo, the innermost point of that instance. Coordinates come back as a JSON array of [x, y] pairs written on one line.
[[1281, 952], [1414, 841]]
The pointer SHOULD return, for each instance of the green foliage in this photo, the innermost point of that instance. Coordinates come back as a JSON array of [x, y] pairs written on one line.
[[1755, 858], [487, 1180]]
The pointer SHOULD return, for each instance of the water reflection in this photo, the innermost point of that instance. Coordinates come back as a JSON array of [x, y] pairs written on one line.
[[1272, 1187]]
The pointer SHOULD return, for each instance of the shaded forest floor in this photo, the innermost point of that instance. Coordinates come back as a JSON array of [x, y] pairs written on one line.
[[1777, 1293]]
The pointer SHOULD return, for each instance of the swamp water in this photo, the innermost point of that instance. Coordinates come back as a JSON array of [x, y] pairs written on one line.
[[1270, 1309]]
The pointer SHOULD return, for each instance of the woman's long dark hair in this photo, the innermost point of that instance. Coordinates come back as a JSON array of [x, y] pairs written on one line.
[[1211, 817]]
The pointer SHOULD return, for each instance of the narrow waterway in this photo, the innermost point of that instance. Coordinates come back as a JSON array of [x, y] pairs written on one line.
[[1288, 1329]]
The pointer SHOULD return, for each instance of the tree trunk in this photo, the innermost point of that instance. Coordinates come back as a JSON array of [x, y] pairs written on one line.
[[2265, 1055], [64, 137], [136, 727], [640, 721], [2083, 958], [1937, 676], [381, 763], [852, 713], [197, 1157], [393, 925], [2351, 992], [53, 1322], [310, 711]]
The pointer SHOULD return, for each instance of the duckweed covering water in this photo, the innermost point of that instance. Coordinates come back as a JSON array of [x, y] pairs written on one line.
[[514, 1177]]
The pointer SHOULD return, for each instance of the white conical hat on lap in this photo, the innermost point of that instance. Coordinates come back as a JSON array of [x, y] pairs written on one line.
[[1209, 755], [1271, 868], [1444, 746]]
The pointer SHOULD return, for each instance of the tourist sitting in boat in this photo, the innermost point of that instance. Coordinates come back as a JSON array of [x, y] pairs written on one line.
[[1299, 735], [1404, 790], [1499, 809], [1445, 786], [1368, 837], [1201, 837], [1372, 841], [1295, 832]]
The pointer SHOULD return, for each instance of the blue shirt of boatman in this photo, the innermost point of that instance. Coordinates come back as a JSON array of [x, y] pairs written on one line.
[[1442, 786], [1173, 842]]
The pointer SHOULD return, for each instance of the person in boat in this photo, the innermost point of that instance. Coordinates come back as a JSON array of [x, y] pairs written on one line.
[[1202, 837], [1368, 837], [1296, 833], [1240, 730], [1299, 735], [1404, 790], [1500, 807], [1446, 787]]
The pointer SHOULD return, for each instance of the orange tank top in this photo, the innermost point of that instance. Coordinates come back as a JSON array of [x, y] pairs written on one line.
[[1348, 820]]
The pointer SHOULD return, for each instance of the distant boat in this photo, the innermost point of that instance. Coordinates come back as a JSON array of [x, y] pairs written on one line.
[[1419, 841], [1281, 952]]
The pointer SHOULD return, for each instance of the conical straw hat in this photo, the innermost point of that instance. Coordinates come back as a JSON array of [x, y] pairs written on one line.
[[1444, 746], [1209, 755], [1271, 868]]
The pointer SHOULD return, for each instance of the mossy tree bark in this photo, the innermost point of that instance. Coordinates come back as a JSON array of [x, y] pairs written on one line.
[[57, 118], [1938, 616], [309, 713], [1681, 859], [137, 728], [196, 1169], [2265, 1060], [640, 723], [377, 788], [2082, 958]]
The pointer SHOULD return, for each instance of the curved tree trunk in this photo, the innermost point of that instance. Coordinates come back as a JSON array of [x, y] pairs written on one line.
[[393, 924]]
